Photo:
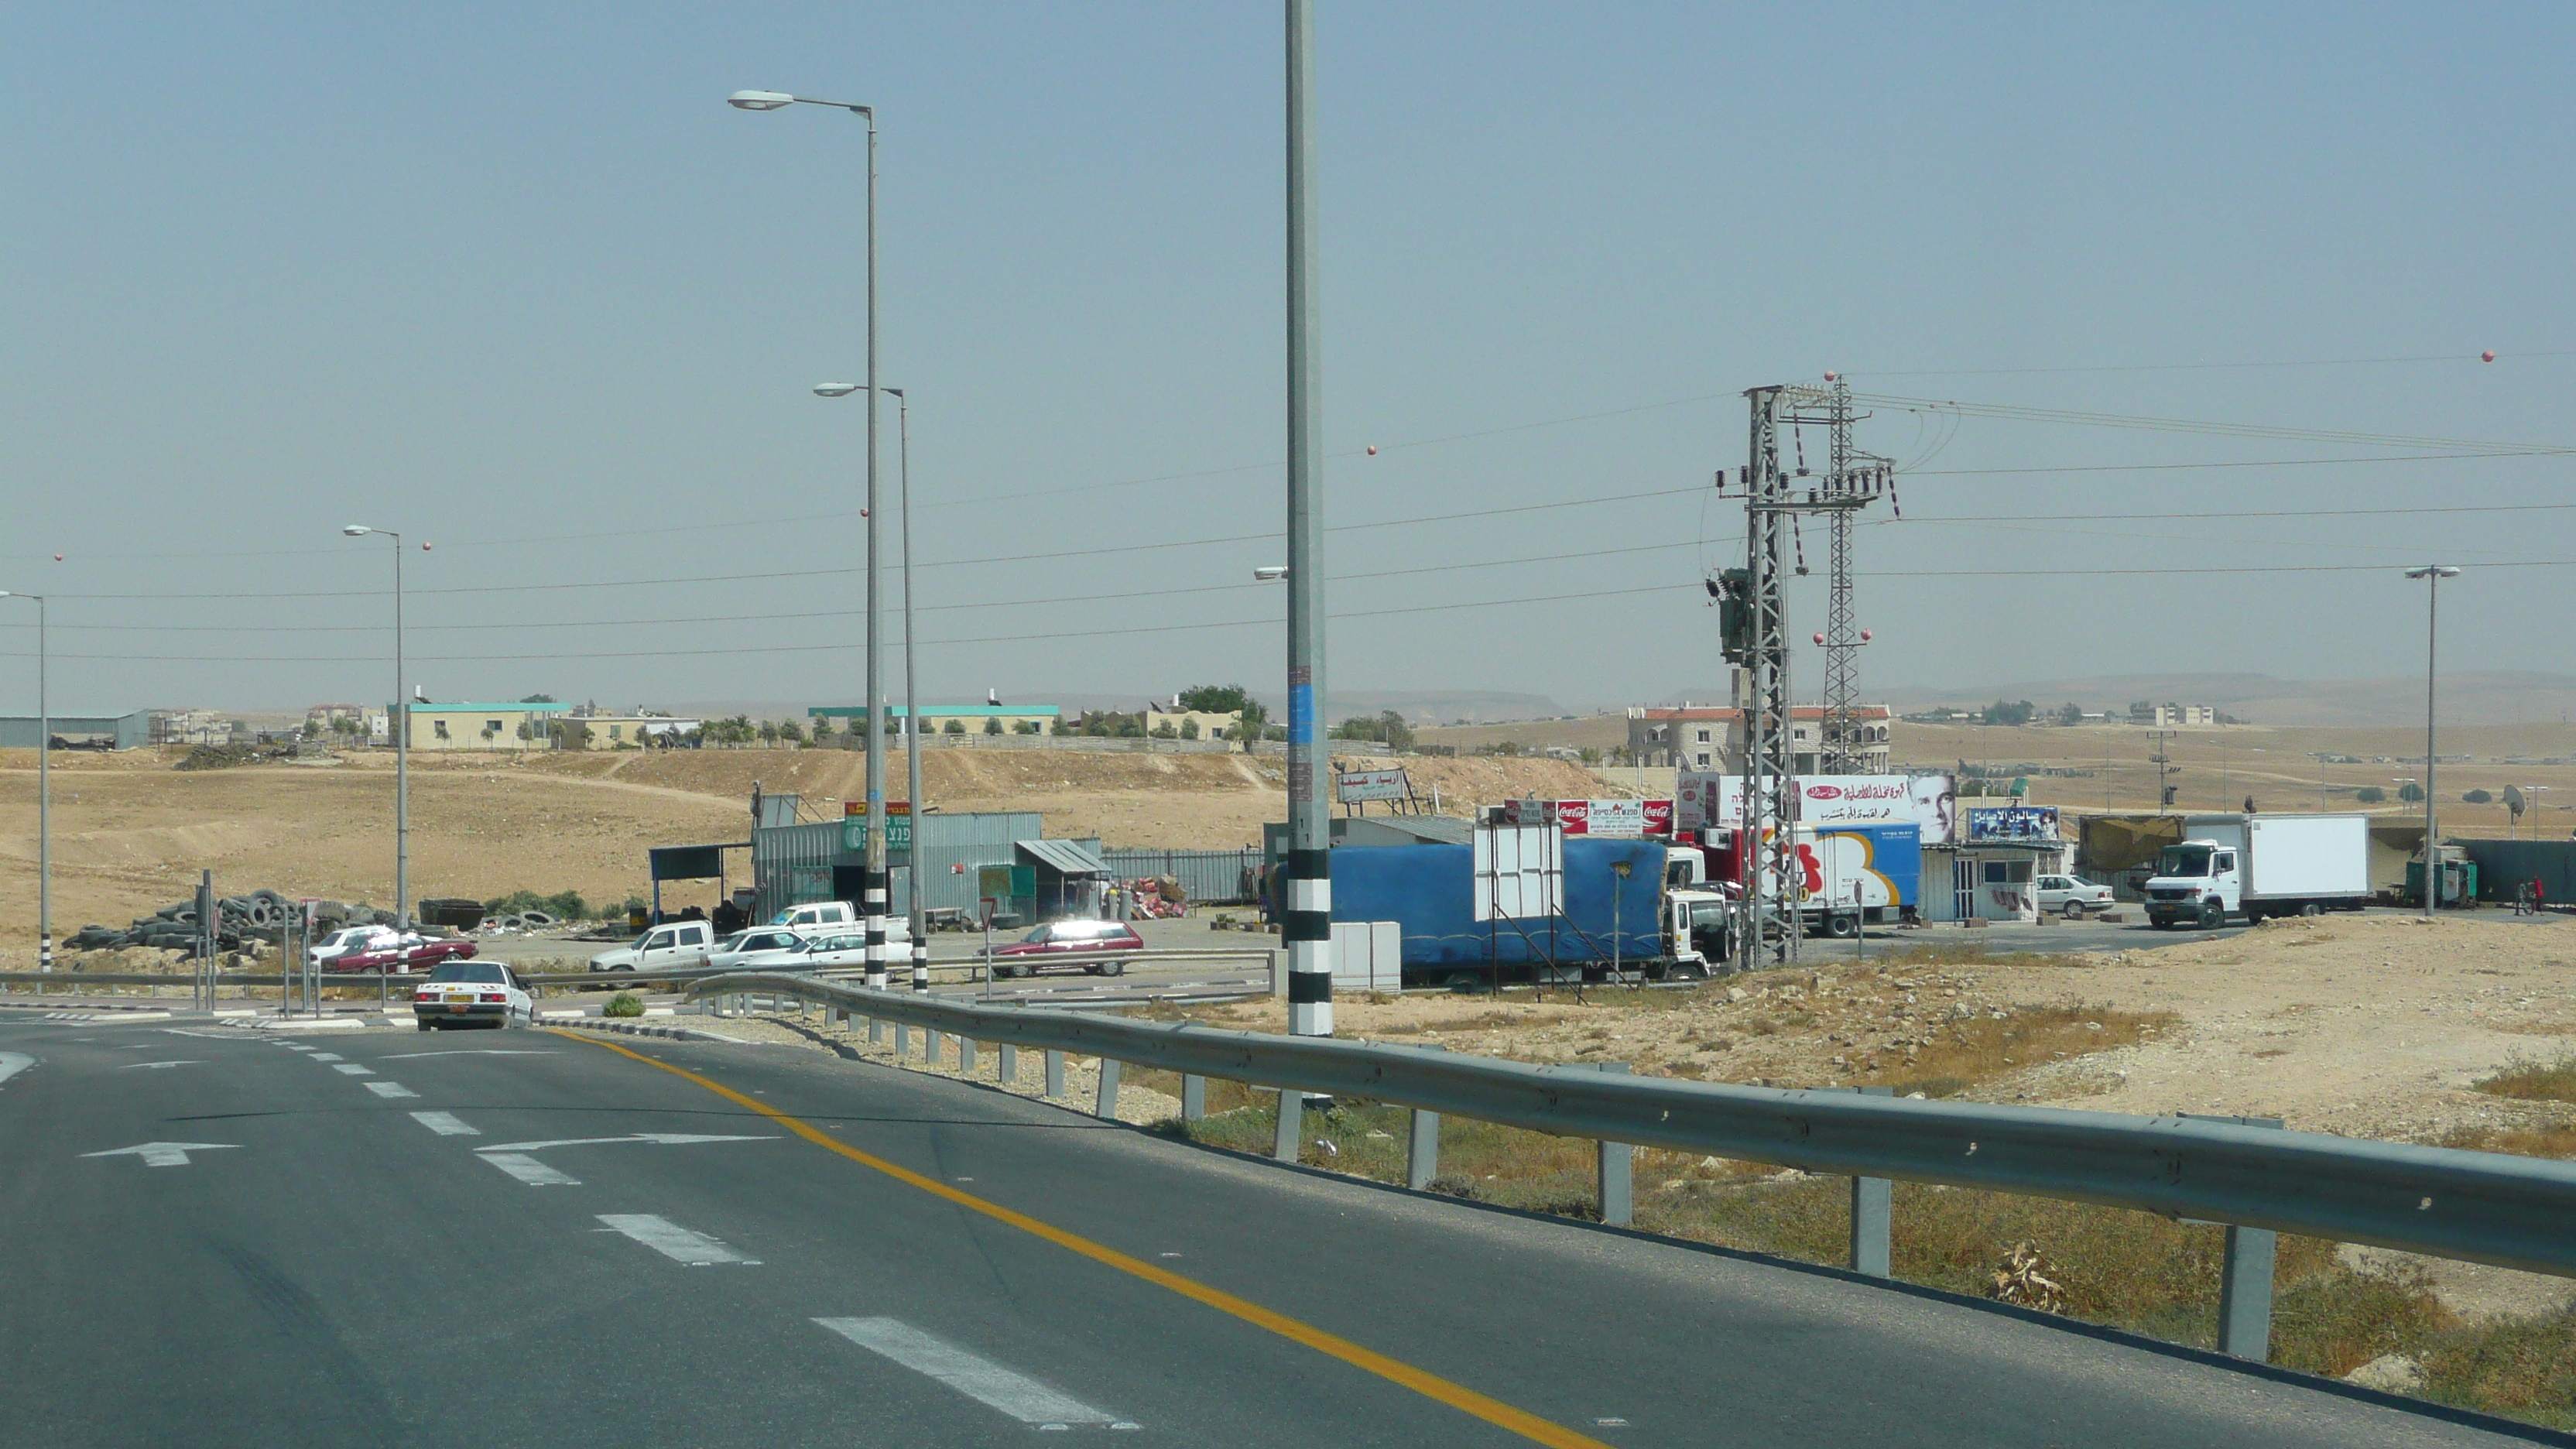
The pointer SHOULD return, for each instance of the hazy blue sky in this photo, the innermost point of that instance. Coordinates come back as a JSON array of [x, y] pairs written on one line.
[[514, 279]]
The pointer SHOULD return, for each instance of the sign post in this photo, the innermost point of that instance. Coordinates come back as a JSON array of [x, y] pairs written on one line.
[[854, 825]]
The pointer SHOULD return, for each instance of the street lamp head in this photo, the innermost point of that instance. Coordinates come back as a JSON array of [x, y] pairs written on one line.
[[836, 389], [357, 530], [760, 100], [2433, 571], [1270, 573], [892, 392]]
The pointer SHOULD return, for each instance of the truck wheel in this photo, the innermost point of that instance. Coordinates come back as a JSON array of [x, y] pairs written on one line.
[[2253, 915], [1842, 927], [1465, 983], [2072, 910], [2212, 916], [2312, 909], [2160, 923]]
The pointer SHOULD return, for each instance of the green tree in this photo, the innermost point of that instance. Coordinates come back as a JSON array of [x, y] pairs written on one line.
[[2010, 712], [2370, 795], [2070, 713], [1226, 699], [2411, 793], [768, 732], [537, 699], [1392, 729], [953, 727], [2477, 797], [788, 733], [1024, 727], [1189, 729], [992, 726]]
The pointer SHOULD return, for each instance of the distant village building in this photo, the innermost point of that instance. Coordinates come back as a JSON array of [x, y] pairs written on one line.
[[971, 719], [2172, 716], [1712, 737], [519, 725]]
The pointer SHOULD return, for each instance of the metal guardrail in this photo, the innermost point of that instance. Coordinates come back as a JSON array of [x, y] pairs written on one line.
[[2483, 1207]]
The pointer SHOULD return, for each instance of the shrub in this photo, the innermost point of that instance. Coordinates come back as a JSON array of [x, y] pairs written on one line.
[[563, 905], [2477, 797], [2370, 795], [624, 1003]]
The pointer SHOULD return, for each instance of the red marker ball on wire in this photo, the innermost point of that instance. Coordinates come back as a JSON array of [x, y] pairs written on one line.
[[2487, 356]]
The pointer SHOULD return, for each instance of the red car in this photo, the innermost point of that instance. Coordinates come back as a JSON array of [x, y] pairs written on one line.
[[405, 960], [1065, 938]]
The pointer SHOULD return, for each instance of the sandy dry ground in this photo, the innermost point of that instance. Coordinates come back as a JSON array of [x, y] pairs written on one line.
[[131, 833]]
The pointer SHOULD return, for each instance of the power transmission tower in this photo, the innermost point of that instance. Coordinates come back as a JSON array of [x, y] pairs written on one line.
[[1853, 480], [1753, 622]]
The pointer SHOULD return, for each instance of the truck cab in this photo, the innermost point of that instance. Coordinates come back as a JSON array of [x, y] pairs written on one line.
[[2196, 881], [1695, 932]]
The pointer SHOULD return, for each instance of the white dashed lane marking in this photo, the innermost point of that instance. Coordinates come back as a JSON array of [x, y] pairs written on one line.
[[325, 1056], [978, 1378], [391, 1089], [529, 1170], [674, 1242], [156, 1066], [353, 1069], [445, 1124]]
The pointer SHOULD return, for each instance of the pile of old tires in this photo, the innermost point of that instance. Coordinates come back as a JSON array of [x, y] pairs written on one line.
[[262, 915]]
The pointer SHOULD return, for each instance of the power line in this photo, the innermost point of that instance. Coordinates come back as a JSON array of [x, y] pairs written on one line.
[[2013, 412], [1674, 588], [2201, 366]]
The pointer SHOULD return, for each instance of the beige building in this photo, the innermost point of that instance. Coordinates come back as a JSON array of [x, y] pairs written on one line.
[[1211, 725], [616, 731], [516, 726], [1712, 738]]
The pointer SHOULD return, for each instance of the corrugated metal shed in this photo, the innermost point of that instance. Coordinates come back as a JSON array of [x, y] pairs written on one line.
[[130, 731], [1206, 876], [1064, 856], [792, 864]]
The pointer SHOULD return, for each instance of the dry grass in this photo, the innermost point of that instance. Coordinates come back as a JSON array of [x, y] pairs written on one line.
[[2556, 1140], [2553, 1081], [1947, 1057], [2523, 1370]]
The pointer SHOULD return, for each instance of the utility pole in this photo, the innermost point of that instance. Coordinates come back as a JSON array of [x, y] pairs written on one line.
[[1767, 825], [2432, 575], [2162, 759], [1308, 926]]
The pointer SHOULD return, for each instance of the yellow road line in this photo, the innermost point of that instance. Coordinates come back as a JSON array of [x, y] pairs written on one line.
[[1457, 1396]]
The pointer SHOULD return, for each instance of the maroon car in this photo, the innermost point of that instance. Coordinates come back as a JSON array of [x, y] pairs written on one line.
[[405, 960], [1030, 953]]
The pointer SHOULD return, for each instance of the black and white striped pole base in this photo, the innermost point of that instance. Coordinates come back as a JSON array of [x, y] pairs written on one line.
[[1308, 933], [876, 914]]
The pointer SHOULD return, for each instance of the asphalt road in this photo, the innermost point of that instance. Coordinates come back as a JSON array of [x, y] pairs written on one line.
[[390, 1238]]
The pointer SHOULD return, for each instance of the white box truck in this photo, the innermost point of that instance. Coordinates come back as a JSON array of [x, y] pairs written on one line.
[[2260, 865]]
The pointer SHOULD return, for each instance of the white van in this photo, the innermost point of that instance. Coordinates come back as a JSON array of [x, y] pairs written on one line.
[[671, 946]]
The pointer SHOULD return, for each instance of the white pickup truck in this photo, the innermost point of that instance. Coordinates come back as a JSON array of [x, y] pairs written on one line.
[[835, 918], [671, 946]]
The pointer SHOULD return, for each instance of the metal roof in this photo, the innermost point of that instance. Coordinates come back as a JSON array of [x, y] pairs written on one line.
[[1064, 856], [936, 711]]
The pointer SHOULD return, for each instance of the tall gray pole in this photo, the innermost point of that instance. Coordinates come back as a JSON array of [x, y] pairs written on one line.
[[917, 917], [2432, 575], [402, 760], [44, 805], [877, 892], [44, 797], [1309, 907]]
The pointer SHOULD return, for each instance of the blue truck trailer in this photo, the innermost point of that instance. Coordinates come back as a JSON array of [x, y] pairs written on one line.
[[1430, 892]]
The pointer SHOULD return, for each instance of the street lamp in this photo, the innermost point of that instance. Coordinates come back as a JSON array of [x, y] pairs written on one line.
[[876, 886], [44, 797], [916, 914], [2432, 575], [398, 722]]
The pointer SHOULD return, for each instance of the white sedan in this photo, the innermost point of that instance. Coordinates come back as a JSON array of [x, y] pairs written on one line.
[[472, 993], [762, 948], [2072, 895]]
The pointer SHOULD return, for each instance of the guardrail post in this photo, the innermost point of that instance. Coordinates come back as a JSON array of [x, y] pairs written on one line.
[[1105, 1102], [1010, 1073], [876, 1029], [1873, 1207], [1193, 1097], [1422, 1150], [1292, 1124], [966, 1056], [1054, 1073], [1617, 1169], [2245, 1284], [902, 1039], [929, 1047]]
